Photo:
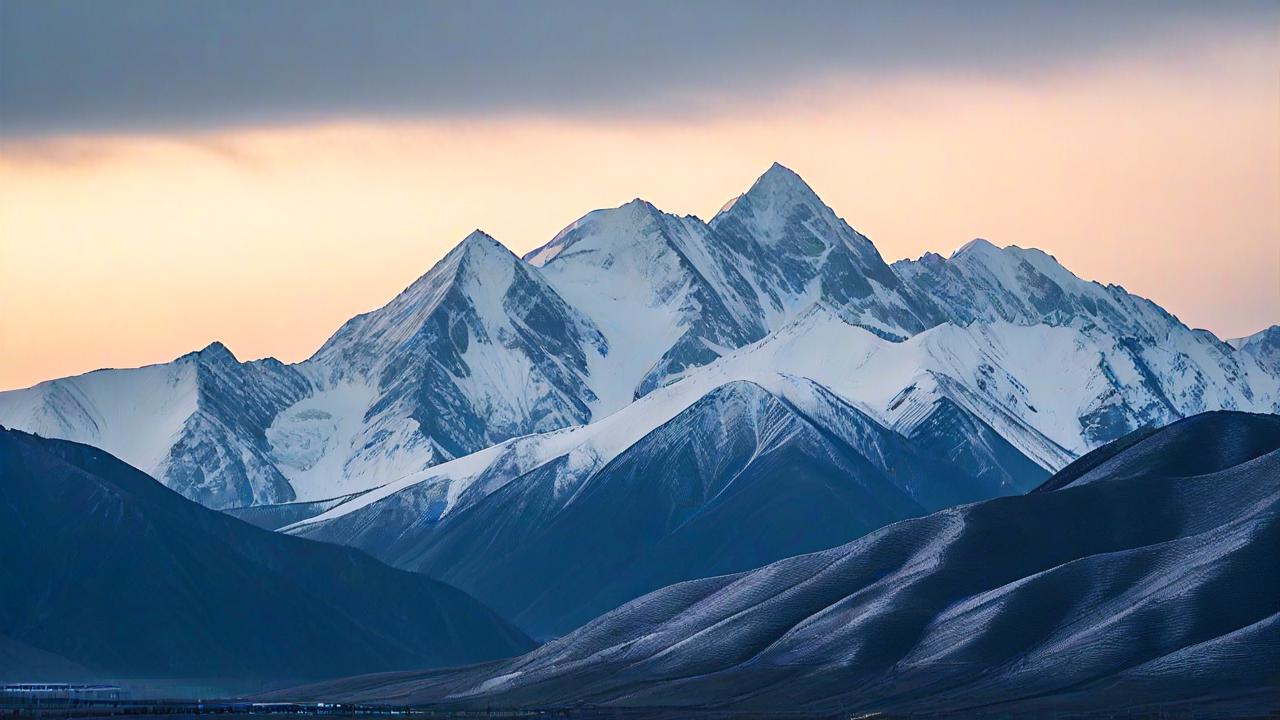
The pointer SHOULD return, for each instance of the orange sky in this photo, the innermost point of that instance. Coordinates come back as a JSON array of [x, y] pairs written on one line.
[[125, 250]]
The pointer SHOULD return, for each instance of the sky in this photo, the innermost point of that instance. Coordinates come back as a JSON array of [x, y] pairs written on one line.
[[258, 172]]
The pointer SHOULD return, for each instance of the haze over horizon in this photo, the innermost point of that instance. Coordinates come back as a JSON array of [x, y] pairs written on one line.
[[257, 175]]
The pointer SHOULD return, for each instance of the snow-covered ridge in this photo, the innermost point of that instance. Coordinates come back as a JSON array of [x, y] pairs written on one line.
[[735, 476], [982, 283], [589, 447], [994, 372], [486, 347], [1263, 347], [137, 413], [197, 422]]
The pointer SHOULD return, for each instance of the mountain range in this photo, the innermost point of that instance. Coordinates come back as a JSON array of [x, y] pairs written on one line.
[[740, 464], [755, 457], [1138, 579], [556, 529], [487, 347]]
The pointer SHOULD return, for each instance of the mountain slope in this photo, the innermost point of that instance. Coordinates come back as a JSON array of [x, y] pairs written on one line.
[[20, 662], [1263, 347], [940, 389], [1180, 371], [666, 294], [1125, 589], [478, 350], [975, 401], [673, 293], [798, 251], [104, 567], [278, 515], [983, 283], [741, 477]]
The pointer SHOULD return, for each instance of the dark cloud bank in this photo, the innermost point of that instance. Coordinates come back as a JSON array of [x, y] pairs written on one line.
[[159, 64]]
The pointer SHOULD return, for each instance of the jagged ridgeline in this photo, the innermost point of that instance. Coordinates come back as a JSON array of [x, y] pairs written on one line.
[[486, 347]]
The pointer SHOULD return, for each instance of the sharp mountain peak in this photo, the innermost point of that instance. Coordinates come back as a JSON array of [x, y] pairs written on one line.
[[781, 181], [214, 351], [479, 241]]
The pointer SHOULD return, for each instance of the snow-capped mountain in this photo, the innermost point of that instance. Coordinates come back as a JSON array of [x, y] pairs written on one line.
[[742, 476], [1263, 347], [671, 293], [1139, 579], [667, 295], [478, 350], [797, 251], [977, 401], [486, 347], [983, 283], [793, 363], [1181, 371], [198, 422]]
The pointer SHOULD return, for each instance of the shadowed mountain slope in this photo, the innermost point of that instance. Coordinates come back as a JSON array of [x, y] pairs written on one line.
[[742, 477], [1146, 579], [102, 566]]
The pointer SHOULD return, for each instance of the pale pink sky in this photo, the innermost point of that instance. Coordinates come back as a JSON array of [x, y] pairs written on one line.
[[121, 250]]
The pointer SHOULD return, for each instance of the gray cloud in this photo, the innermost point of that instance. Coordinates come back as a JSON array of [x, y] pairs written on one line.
[[70, 66]]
